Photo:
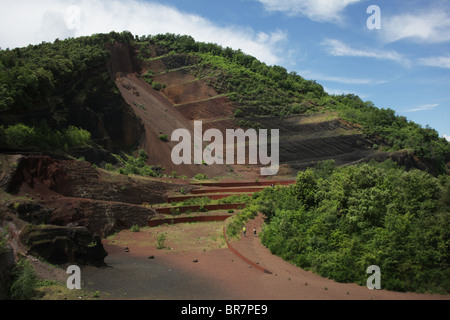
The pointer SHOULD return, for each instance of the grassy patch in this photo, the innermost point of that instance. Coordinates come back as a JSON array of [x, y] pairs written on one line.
[[183, 237], [52, 290]]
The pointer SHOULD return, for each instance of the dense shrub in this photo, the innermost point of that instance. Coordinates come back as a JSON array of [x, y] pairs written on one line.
[[238, 113], [236, 198], [74, 136], [163, 137], [137, 166], [157, 86], [339, 222], [25, 281], [135, 228], [196, 201], [19, 135], [201, 176], [43, 137]]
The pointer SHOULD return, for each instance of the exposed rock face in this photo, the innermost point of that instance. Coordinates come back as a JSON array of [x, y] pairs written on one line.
[[32, 212], [123, 59], [60, 245], [67, 192], [79, 179], [100, 217], [35, 170]]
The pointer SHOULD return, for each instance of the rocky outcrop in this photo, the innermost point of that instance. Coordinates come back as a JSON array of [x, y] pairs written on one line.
[[401, 158], [51, 243], [67, 192], [60, 245], [123, 59], [100, 217], [36, 170], [31, 212], [53, 178]]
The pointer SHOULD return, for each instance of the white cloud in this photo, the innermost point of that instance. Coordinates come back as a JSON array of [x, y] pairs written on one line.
[[340, 49], [439, 62], [425, 107], [344, 80], [431, 26], [447, 137], [31, 22], [317, 10]]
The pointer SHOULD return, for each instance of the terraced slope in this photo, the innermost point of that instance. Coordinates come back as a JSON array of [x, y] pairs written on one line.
[[304, 139], [173, 210], [189, 94]]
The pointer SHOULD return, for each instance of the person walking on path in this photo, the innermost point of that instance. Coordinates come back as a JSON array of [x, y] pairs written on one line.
[[245, 231]]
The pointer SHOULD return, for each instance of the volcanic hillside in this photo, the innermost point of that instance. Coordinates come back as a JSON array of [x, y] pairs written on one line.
[[305, 139], [86, 126], [187, 95], [126, 93], [183, 100]]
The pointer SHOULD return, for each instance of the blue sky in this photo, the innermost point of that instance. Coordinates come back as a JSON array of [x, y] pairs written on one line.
[[404, 66]]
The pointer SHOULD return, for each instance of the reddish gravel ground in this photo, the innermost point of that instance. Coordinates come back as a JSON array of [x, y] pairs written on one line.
[[216, 274]]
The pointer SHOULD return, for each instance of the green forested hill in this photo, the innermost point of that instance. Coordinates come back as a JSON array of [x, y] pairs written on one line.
[[42, 85], [60, 96], [30, 75]]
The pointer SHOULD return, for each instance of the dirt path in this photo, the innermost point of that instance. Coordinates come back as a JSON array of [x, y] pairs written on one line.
[[188, 272], [288, 282]]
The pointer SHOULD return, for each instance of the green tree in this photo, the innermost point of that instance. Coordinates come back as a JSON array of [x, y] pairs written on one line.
[[20, 135], [25, 281], [306, 187]]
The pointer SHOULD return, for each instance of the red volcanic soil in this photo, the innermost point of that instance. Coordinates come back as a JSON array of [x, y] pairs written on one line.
[[189, 92], [159, 116], [174, 77], [215, 108], [216, 274]]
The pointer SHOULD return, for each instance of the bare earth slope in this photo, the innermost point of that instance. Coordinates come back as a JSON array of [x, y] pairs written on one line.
[[160, 117], [304, 139]]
